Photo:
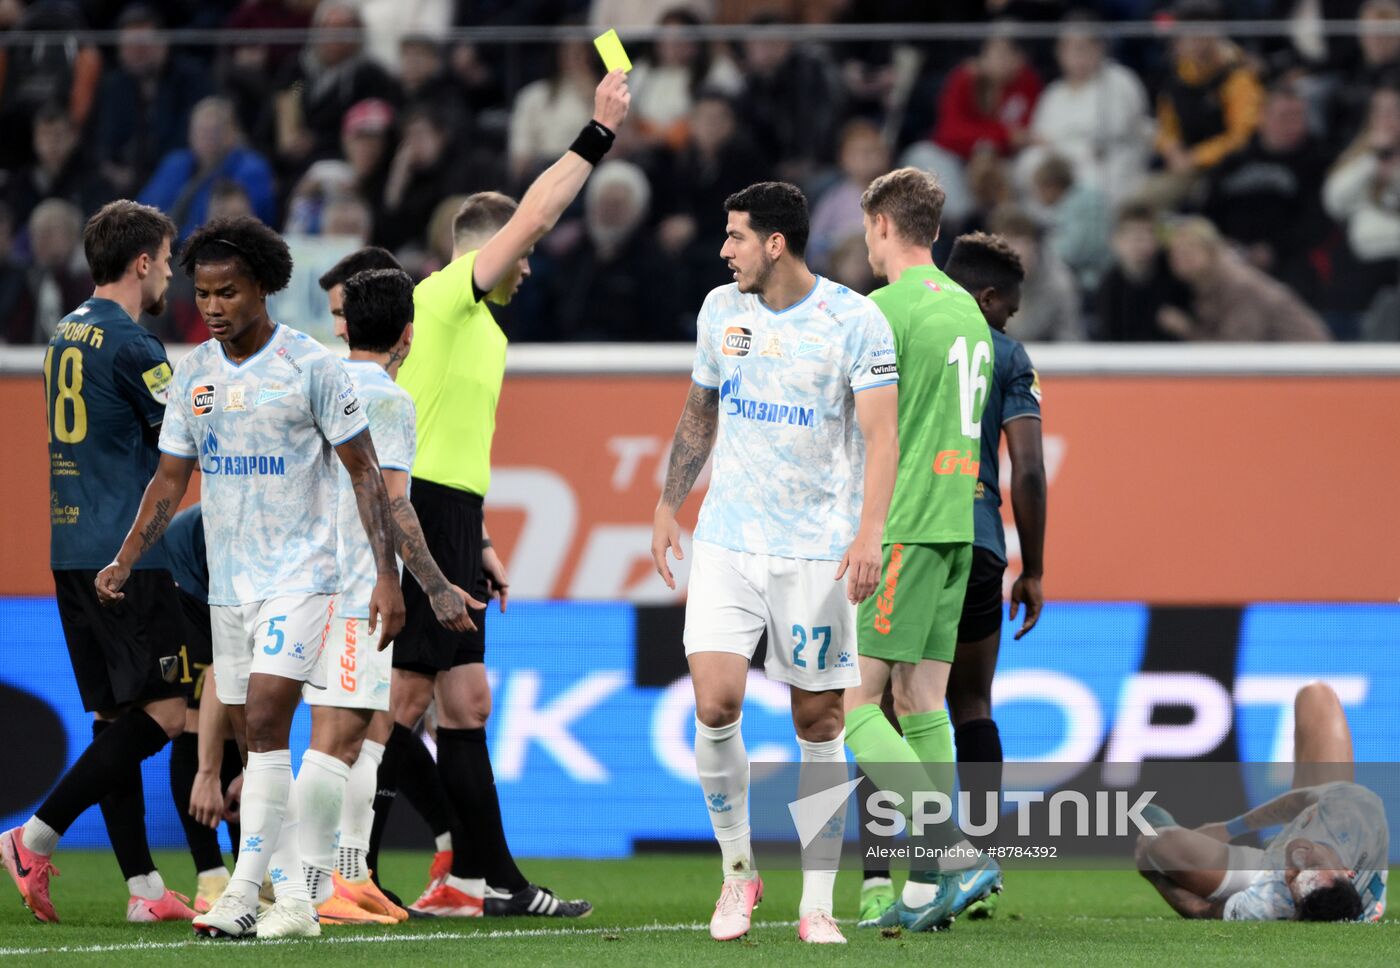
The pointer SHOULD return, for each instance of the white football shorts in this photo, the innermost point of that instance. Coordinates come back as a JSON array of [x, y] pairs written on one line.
[[355, 672], [734, 596], [278, 637]]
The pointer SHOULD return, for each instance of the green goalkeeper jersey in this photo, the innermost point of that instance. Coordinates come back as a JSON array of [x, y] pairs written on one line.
[[943, 348]]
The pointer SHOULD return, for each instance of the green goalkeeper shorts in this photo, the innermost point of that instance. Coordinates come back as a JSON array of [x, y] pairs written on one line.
[[915, 611]]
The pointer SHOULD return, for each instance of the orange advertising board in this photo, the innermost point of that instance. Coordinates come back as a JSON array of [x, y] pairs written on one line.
[[1162, 489]]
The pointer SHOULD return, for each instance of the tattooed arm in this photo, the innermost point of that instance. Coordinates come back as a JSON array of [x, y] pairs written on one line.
[[158, 506], [386, 601], [449, 602], [690, 448]]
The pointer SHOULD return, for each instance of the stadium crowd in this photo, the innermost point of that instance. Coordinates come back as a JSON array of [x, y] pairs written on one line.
[[1190, 186]]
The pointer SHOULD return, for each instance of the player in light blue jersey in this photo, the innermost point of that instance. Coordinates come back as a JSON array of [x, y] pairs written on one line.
[[350, 720], [1330, 862], [794, 389], [264, 411]]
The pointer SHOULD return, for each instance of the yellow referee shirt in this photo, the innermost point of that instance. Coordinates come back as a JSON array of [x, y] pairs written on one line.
[[454, 373]]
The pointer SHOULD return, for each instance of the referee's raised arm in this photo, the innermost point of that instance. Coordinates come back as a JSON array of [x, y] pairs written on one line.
[[556, 187]]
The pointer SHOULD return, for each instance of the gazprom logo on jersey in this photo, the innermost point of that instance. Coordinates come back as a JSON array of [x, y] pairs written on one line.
[[761, 410], [237, 465]]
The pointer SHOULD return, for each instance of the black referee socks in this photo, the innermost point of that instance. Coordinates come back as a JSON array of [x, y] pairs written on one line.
[[464, 761]]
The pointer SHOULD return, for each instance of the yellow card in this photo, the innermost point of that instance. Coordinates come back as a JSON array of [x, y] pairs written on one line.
[[610, 49]]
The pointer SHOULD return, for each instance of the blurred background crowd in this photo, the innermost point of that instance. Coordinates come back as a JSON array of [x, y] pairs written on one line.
[[1187, 183]]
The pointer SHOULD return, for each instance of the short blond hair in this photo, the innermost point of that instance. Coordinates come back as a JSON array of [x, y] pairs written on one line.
[[911, 199]]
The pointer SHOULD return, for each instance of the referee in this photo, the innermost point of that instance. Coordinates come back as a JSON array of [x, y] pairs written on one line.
[[454, 375]]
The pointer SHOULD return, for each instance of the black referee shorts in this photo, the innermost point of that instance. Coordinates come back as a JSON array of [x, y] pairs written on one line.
[[199, 646], [128, 652], [982, 605], [451, 521]]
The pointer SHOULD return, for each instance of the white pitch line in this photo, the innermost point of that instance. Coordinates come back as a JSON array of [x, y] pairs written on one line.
[[493, 935]]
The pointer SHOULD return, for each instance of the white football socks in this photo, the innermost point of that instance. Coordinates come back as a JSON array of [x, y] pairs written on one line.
[[149, 887], [320, 798], [40, 837], [818, 885], [723, 766], [267, 787], [357, 812]]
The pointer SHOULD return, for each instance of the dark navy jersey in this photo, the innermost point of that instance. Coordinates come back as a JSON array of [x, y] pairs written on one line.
[[105, 381], [185, 548], [1015, 394]]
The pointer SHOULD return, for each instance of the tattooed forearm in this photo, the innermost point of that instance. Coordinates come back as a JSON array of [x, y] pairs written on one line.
[[373, 502], [160, 519], [690, 448], [413, 548]]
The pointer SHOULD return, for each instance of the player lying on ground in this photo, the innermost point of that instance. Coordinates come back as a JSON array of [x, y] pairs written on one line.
[[1329, 863], [787, 366], [266, 412]]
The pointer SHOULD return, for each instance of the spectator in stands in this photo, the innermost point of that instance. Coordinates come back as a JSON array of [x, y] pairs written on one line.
[[57, 279], [424, 169], [613, 283], [249, 73], [850, 265], [1378, 66], [425, 79], [364, 143], [14, 284], [348, 216], [35, 74], [181, 186], [548, 112], [717, 161], [1049, 300], [1363, 192], [1208, 108], [1231, 300], [389, 22], [791, 104], [327, 79], [666, 81], [1138, 284], [59, 170], [1266, 197], [837, 214], [1095, 116], [988, 100], [227, 199], [1076, 218], [143, 111]]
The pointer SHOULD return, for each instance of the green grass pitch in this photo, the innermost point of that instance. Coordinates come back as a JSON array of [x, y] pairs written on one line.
[[653, 910]]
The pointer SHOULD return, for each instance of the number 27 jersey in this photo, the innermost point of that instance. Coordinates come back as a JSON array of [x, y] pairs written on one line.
[[264, 433], [789, 461]]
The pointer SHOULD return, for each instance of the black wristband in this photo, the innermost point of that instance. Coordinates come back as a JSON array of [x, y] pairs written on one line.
[[485, 543], [592, 142]]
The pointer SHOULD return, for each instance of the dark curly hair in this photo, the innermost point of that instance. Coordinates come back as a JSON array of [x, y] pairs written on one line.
[[982, 261], [378, 306], [1338, 901], [774, 208], [242, 238]]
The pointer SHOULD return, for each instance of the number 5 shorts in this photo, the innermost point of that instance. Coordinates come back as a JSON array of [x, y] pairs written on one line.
[[280, 636], [355, 672], [734, 596]]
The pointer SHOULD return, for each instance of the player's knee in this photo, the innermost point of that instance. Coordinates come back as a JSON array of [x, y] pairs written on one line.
[[718, 711], [170, 716], [822, 727], [267, 730], [966, 709]]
